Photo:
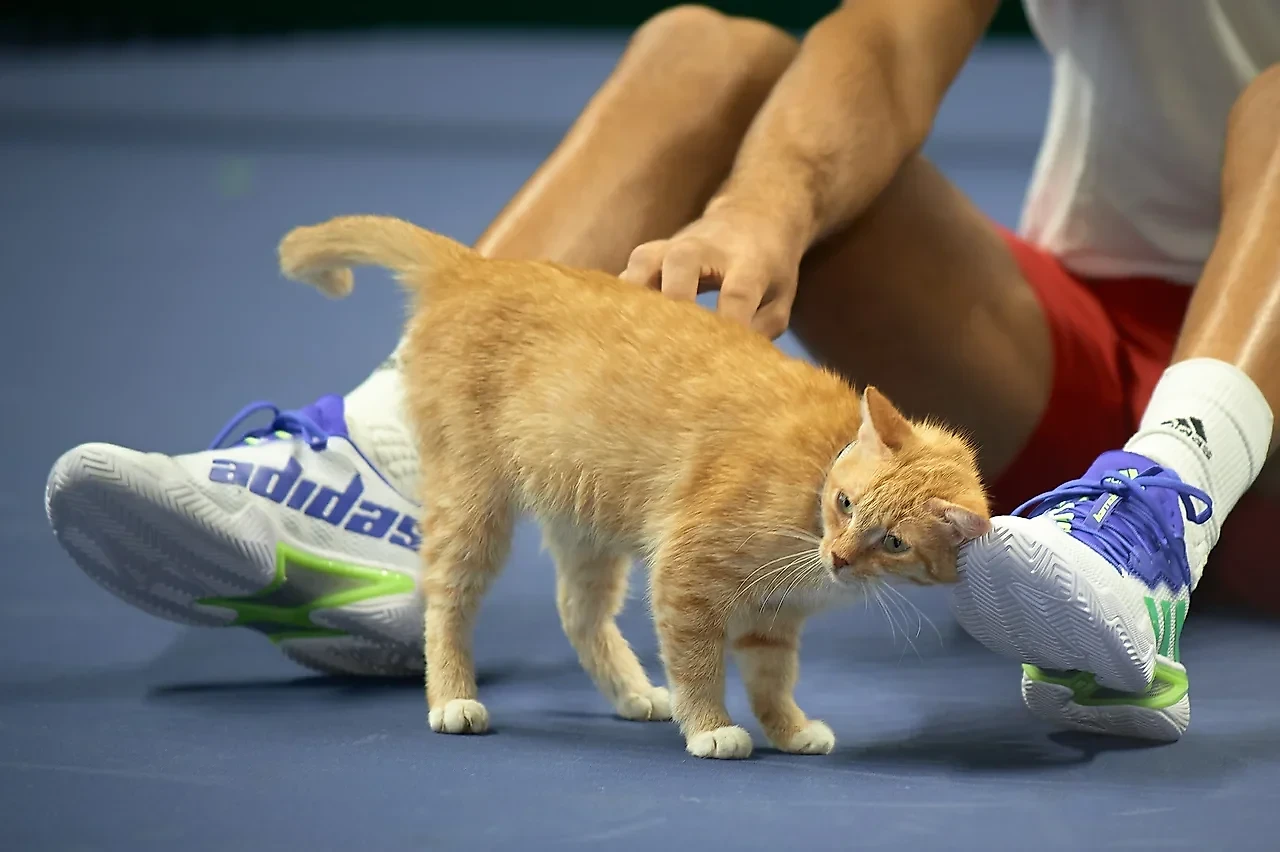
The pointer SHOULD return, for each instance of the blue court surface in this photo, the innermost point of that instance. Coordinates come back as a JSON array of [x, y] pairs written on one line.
[[143, 191]]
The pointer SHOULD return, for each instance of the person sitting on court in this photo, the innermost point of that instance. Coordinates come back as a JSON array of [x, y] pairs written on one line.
[[1117, 359]]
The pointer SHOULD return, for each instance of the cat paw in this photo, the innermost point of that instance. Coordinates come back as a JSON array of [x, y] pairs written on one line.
[[728, 743], [814, 738], [459, 716], [651, 706]]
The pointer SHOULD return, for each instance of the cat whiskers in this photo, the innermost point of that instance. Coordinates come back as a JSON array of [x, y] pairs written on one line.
[[875, 595], [761, 574], [894, 604], [921, 618], [795, 568], [783, 532], [801, 573], [891, 608]]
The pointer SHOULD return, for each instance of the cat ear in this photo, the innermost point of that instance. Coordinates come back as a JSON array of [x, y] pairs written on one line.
[[884, 429], [963, 524]]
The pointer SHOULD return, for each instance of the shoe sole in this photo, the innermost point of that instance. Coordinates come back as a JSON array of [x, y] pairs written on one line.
[[1064, 704], [144, 532], [1034, 595]]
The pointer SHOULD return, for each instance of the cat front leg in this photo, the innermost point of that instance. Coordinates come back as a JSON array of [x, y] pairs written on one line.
[[768, 655], [695, 670], [692, 641]]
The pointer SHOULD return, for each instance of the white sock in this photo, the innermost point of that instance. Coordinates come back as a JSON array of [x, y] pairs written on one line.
[[1208, 422], [378, 426]]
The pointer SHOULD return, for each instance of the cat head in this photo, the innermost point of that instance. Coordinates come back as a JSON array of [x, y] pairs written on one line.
[[900, 500]]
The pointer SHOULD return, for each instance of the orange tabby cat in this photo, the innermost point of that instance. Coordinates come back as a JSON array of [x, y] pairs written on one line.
[[630, 425]]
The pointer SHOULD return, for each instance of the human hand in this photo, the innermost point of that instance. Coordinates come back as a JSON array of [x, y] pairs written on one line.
[[743, 257]]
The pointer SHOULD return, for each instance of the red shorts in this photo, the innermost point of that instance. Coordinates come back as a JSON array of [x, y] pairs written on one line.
[[1112, 340]]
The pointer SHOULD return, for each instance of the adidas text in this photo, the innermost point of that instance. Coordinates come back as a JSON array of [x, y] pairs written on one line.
[[342, 509]]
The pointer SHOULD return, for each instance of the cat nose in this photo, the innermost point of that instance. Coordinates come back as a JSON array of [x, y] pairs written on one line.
[[838, 561]]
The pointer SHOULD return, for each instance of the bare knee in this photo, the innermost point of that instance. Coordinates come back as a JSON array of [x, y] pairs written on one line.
[[1260, 99], [693, 26], [687, 22], [715, 48]]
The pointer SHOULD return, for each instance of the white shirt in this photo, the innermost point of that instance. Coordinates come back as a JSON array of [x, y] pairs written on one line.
[[1127, 180]]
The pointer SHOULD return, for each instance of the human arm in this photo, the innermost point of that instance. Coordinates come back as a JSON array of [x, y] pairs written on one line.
[[858, 100]]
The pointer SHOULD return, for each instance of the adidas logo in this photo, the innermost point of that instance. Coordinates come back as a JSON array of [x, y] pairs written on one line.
[[342, 509], [1193, 428]]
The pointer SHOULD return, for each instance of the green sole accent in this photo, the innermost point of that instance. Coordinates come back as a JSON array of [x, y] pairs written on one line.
[[1179, 619], [1169, 686], [1166, 611], [287, 635], [303, 584]]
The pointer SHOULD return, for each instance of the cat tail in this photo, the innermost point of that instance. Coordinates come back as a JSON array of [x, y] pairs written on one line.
[[322, 255]]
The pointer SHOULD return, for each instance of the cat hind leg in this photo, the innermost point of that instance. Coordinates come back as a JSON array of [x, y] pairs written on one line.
[[591, 588], [467, 537]]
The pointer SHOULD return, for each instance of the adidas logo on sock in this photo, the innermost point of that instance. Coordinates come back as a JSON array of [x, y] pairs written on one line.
[[1193, 428]]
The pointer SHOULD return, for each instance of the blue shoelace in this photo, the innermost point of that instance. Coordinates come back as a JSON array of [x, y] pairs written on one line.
[[1134, 523], [291, 424]]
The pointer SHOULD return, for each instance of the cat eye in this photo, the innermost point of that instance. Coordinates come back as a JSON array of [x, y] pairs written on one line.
[[893, 544], [843, 503]]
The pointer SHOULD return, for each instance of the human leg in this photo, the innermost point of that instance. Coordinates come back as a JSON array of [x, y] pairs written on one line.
[[956, 331], [1104, 566]]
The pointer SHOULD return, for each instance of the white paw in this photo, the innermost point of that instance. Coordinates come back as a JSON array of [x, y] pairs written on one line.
[[728, 743], [459, 716], [814, 738], [653, 706]]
